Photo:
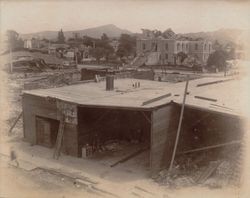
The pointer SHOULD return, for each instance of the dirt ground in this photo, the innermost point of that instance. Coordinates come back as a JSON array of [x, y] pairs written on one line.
[[16, 182], [39, 182]]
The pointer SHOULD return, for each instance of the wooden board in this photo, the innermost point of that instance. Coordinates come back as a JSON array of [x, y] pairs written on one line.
[[34, 106], [68, 110]]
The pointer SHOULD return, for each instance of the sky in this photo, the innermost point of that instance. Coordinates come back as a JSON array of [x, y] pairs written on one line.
[[182, 16]]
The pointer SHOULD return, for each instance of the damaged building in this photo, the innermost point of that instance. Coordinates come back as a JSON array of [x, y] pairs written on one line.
[[143, 113], [167, 48]]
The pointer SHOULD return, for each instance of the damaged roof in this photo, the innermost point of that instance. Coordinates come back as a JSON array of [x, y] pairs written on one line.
[[222, 95]]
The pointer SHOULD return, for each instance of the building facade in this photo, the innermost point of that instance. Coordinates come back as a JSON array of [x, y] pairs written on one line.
[[32, 43], [166, 48]]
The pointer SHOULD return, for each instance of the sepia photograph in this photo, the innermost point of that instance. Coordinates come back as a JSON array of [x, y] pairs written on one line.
[[124, 99]]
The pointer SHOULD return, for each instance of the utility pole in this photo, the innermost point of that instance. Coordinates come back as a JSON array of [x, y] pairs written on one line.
[[179, 125]]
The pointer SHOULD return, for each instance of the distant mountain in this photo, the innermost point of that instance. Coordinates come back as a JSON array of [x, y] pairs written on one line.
[[96, 32], [223, 36]]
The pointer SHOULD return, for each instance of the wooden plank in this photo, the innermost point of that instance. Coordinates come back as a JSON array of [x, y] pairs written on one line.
[[207, 172], [214, 82], [222, 107], [156, 99], [205, 98]]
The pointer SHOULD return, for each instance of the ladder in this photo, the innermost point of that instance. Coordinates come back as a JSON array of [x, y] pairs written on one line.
[[59, 137]]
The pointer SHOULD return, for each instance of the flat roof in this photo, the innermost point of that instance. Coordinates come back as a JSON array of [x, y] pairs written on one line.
[[222, 95], [214, 94]]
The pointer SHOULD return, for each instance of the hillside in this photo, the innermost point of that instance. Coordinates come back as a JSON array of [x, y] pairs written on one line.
[[96, 32]]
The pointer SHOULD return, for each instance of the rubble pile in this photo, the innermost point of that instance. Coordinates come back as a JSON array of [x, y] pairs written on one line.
[[202, 169]]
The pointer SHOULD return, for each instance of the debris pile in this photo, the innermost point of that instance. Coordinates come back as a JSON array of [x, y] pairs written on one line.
[[203, 170]]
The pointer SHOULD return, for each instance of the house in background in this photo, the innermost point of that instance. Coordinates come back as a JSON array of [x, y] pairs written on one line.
[[32, 43], [57, 48], [167, 48]]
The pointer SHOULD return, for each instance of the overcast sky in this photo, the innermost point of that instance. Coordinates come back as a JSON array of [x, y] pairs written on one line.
[[181, 16]]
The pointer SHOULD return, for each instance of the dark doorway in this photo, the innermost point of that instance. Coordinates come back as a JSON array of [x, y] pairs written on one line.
[[46, 130], [101, 127]]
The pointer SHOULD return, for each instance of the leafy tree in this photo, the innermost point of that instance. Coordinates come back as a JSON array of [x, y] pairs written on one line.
[[105, 38], [60, 37], [88, 41], [217, 59], [182, 56], [126, 46], [13, 40], [102, 48], [97, 53], [231, 54]]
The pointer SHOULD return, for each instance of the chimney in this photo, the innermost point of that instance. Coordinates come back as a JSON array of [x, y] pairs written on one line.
[[110, 82]]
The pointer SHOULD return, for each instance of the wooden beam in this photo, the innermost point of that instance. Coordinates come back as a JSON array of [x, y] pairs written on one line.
[[130, 156], [214, 82], [156, 99], [211, 147], [222, 107], [14, 124], [59, 137], [204, 98], [179, 125]]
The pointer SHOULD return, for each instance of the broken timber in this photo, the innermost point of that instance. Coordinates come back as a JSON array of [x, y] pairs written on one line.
[[129, 156], [208, 172], [156, 99], [214, 82], [211, 147], [59, 137]]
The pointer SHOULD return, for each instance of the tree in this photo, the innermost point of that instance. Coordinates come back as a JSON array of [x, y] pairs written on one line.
[[105, 38], [102, 48], [126, 46], [60, 37], [217, 59], [182, 56], [88, 41], [97, 53], [14, 41]]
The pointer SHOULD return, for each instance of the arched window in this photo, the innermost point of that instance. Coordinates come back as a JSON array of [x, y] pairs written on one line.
[[205, 47], [182, 46], [143, 46]]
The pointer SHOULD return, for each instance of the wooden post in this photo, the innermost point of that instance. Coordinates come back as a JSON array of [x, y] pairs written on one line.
[[59, 138], [179, 125]]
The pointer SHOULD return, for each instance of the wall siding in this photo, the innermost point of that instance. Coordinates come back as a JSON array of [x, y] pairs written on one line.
[[163, 132], [38, 106]]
